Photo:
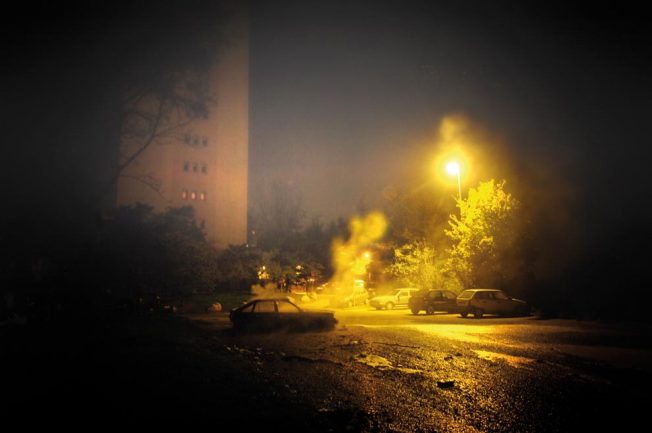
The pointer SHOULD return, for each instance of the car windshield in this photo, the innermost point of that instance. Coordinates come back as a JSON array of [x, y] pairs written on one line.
[[467, 294], [247, 308]]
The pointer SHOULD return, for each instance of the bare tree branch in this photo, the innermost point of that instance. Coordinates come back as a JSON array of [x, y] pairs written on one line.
[[148, 180]]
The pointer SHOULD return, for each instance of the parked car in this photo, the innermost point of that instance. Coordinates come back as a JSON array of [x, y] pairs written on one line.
[[398, 298], [350, 298], [490, 301], [275, 314], [431, 300]]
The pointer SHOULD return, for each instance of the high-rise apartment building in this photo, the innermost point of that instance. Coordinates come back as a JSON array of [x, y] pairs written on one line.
[[206, 164]]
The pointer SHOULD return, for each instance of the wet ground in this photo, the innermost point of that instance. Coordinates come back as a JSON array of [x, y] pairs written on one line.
[[393, 371], [377, 371]]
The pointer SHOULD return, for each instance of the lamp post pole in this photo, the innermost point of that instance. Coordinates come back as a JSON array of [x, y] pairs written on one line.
[[453, 168]]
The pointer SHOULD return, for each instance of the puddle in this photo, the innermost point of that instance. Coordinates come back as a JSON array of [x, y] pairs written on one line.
[[381, 363], [514, 361]]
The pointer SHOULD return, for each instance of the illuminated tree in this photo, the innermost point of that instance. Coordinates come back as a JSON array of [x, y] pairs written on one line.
[[484, 236], [420, 265]]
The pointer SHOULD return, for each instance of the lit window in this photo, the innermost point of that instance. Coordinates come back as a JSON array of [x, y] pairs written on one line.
[[186, 166], [193, 195], [204, 168], [184, 194], [202, 196]]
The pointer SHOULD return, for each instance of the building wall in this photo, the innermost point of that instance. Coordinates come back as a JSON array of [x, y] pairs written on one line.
[[206, 166]]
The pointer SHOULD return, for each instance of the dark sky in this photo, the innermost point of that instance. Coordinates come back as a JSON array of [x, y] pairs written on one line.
[[347, 96]]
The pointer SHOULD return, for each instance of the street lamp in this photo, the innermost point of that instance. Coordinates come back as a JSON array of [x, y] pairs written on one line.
[[453, 168], [367, 256]]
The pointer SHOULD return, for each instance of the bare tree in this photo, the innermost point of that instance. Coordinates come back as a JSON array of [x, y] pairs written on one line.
[[161, 77]]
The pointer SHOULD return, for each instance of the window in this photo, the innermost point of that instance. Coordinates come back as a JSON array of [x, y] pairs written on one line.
[[186, 138], [184, 195], [186, 166], [500, 295], [286, 307], [248, 309], [195, 167], [193, 195], [467, 294], [264, 307], [204, 168], [202, 196], [449, 295], [195, 140], [204, 141]]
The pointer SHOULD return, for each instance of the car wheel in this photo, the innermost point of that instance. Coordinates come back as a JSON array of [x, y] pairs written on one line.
[[389, 306], [415, 311], [477, 313], [430, 311], [464, 314]]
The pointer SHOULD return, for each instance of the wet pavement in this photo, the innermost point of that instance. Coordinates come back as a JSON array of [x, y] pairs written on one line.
[[393, 371], [377, 371]]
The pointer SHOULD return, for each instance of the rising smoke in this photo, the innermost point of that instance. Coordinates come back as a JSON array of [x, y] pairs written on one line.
[[350, 256]]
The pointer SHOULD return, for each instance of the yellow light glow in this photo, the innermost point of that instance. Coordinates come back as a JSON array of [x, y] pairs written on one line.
[[453, 168], [351, 257]]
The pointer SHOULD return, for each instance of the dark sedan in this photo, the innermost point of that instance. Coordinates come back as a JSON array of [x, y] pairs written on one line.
[[279, 314], [433, 300]]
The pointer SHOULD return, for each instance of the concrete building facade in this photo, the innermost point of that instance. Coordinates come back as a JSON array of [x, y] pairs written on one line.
[[205, 165]]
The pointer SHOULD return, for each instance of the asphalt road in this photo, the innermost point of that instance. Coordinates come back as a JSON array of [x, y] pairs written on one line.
[[393, 371], [377, 371]]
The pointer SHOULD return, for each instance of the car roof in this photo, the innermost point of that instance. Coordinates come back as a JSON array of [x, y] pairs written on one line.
[[270, 299], [483, 290]]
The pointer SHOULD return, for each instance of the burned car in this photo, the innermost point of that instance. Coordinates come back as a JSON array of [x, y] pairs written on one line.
[[279, 314], [433, 300], [490, 301]]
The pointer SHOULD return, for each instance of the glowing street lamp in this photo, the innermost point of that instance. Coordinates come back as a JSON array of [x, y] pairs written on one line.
[[367, 257], [453, 168]]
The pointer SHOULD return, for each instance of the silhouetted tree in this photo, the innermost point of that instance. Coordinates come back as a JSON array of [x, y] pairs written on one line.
[[140, 251]]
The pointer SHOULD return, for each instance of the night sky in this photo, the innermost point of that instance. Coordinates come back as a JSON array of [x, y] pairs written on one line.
[[346, 98]]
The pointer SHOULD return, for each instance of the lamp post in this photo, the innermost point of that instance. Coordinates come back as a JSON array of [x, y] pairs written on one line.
[[453, 168], [367, 256]]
